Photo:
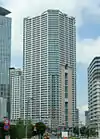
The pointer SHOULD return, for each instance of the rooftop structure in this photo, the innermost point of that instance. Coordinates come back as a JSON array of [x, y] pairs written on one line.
[[4, 11]]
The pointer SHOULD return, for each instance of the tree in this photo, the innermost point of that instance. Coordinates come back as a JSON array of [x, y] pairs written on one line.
[[76, 130], [83, 130], [40, 127], [87, 132], [30, 129], [92, 132], [1, 130], [13, 134], [20, 129]]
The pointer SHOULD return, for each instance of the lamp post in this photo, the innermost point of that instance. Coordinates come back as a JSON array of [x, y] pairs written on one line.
[[79, 124], [99, 116], [27, 114], [91, 120], [79, 129]]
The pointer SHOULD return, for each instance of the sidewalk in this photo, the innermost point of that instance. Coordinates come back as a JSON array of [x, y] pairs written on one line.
[[35, 137]]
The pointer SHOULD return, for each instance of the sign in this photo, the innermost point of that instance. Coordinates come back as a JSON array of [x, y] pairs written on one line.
[[65, 134], [6, 121], [6, 127], [34, 128], [6, 124], [7, 137]]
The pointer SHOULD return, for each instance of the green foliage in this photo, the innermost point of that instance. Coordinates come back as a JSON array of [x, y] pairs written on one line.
[[76, 130], [20, 129], [1, 129], [85, 131], [40, 127], [93, 132], [13, 134], [30, 128]]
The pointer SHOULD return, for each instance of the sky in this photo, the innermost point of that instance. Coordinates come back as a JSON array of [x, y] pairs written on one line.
[[87, 14]]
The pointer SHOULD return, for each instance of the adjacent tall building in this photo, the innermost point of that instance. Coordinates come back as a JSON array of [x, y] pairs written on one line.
[[87, 118], [16, 94], [77, 117], [49, 68], [5, 60], [94, 93]]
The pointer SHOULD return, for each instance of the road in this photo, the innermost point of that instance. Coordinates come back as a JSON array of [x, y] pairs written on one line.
[[54, 137]]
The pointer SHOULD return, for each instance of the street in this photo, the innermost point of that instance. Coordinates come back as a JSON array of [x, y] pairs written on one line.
[[54, 137]]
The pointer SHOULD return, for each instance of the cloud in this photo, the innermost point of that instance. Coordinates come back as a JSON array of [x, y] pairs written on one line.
[[87, 49], [82, 110], [26, 8]]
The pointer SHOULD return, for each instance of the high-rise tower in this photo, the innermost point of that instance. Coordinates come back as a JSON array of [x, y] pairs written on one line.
[[49, 61], [5, 60], [94, 94]]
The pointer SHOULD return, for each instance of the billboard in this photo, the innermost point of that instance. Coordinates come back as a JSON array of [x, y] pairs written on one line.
[[65, 134]]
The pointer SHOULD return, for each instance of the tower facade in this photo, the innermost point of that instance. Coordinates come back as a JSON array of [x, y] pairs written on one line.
[[94, 94], [49, 48], [5, 60]]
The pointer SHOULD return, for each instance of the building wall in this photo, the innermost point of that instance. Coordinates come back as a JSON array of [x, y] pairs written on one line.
[[49, 43], [3, 108], [77, 117], [62, 94], [94, 91], [86, 118], [70, 98], [5, 60], [16, 98]]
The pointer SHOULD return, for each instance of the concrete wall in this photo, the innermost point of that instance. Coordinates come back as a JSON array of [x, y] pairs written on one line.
[[70, 107]]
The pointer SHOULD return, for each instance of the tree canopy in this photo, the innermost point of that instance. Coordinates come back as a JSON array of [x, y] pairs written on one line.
[[85, 131], [18, 130]]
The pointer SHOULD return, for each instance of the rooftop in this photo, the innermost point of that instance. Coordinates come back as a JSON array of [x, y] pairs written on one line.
[[4, 11]]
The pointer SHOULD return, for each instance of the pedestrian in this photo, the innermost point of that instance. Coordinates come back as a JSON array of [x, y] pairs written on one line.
[[46, 136]]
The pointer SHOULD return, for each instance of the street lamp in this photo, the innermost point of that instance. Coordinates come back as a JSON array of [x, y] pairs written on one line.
[[27, 114], [99, 117], [80, 125], [79, 129]]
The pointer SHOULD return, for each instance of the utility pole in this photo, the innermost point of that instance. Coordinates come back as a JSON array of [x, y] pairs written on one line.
[[27, 119], [27, 114], [79, 129], [79, 124]]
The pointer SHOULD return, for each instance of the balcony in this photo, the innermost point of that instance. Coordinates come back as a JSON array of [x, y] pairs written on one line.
[[66, 99]]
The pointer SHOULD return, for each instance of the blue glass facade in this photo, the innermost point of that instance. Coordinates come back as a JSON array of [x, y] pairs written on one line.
[[5, 59]]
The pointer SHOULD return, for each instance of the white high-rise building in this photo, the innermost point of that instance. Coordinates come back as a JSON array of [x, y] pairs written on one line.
[[49, 61], [16, 94], [94, 94]]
